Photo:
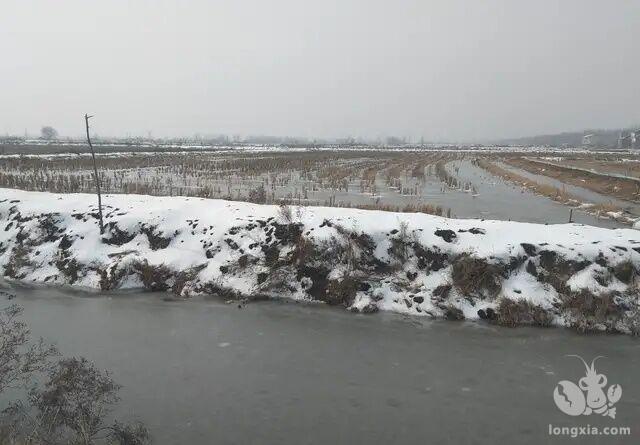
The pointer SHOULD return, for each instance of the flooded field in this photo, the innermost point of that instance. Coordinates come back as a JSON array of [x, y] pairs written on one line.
[[447, 183]]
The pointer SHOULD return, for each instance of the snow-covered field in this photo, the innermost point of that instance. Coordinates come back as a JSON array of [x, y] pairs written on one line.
[[507, 272]]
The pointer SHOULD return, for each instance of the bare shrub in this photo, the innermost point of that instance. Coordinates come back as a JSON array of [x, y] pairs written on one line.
[[72, 406], [20, 359], [69, 401], [285, 214], [400, 242]]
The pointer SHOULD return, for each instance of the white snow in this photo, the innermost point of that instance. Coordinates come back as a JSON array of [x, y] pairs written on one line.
[[200, 234]]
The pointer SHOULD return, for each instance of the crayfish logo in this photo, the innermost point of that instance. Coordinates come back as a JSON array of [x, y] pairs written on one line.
[[588, 396]]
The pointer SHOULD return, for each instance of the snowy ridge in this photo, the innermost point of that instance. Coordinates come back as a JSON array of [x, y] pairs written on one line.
[[506, 272]]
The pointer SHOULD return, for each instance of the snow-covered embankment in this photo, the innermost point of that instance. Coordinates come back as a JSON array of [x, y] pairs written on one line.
[[505, 272]]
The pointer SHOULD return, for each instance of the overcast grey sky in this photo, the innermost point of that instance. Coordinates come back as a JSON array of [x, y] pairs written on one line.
[[445, 70]]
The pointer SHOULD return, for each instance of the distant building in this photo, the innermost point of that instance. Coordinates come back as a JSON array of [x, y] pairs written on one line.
[[590, 139], [629, 140]]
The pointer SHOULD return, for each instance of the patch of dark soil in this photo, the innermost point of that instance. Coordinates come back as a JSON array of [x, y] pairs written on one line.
[[117, 236], [319, 280], [271, 254], [453, 313], [529, 249], [442, 291], [232, 244], [429, 259], [156, 240], [287, 233], [65, 243], [531, 268], [487, 314], [446, 234], [473, 231]]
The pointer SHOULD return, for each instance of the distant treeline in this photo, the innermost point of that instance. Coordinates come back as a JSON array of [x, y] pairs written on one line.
[[604, 138]]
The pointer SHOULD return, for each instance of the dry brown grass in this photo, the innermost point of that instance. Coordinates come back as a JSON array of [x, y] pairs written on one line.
[[471, 275], [512, 313]]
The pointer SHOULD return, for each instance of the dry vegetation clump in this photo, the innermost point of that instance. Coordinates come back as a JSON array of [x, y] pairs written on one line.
[[18, 259], [428, 209], [216, 289], [110, 278], [471, 276], [182, 278], [626, 272], [453, 313], [401, 241], [445, 176], [556, 270], [632, 320], [512, 313], [341, 290], [604, 208], [591, 313], [153, 277], [68, 266]]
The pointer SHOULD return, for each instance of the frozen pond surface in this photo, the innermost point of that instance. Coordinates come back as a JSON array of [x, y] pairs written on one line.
[[203, 372]]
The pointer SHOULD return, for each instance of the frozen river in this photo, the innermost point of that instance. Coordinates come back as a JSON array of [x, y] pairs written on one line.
[[202, 371]]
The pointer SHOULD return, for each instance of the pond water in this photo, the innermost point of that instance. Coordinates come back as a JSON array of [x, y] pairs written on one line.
[[499, 199], [202, 371], [581, 192]]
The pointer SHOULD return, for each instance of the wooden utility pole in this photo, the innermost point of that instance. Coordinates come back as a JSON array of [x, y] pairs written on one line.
[[95, 173]]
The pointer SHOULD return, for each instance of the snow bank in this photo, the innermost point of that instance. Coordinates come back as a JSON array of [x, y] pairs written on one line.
[[506, 272]]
